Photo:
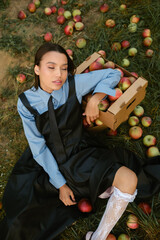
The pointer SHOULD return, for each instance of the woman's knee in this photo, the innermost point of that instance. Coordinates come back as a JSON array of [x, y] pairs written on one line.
[[125, 180]]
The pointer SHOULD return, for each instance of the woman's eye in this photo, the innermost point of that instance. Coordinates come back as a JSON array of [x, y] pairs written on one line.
[[51, 67], [65, 69]]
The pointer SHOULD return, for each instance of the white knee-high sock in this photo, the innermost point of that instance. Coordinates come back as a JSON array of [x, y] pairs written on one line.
[[116, 205]]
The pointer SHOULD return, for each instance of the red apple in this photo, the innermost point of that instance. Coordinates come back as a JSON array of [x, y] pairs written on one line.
[[110, 23], [79, 26], [21, 15], [134, 74], [146, 33], [54, 9], [146, 208], [102, 52], [132, 221], [69, 51], [125, 62], [133, 121], [21, 78], [111, 237], [152, 151], [37, 3], [61, 19], [85, 123], [149, 140], [109, 64], [77, 18], [134, 19], [135, 132], [68, 30], [31, 7], [132, 79], [111, 132], [149, 52], [98, 122], [116, 46], [61, 11], [48, 37], [122, 73], [103, 105], [81, 43], [138, 111], [67, 14], [132, 27], [84, 205], [124, 83], [47, 11], [146, 121], [123, 236], [132, 52], [122, 7], [104, 7], [86, 70], [95, 66], [64, 2], [147, 41], [76, 12], [125, 44], [118, 94]]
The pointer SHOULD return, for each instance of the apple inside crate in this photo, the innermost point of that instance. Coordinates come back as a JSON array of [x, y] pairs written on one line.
[[120, 110]]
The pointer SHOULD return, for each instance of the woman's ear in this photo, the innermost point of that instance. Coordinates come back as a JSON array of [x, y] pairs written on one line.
[[36, 69]]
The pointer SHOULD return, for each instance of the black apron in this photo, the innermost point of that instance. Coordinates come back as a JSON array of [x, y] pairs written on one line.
[[32, 205]]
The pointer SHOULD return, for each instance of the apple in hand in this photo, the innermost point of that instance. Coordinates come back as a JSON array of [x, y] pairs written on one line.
[[84, 205], [124, 83], [110, 23], [123, 236], [149, 140], [147, 41], [138, 111], [125, 44], [146, 33], [31, 7], [146, 208], [103, 105], [98, 122], [104, 7], [48, 37], [135, 132], [133, 121], [111, 237], [68, 30], [146, 121], [21, 78], [117, 95], [152, 151], [132, 221]]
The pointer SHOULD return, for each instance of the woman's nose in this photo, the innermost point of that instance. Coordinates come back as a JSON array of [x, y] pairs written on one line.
[[58, 72]]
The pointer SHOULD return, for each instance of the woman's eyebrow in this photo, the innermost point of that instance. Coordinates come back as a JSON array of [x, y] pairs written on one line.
[[56, 63]]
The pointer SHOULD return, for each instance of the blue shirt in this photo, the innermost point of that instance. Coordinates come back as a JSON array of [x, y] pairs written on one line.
[[97, 81]]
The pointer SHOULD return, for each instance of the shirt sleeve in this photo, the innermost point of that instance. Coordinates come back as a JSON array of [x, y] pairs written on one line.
[[103, 81], [40, 151]]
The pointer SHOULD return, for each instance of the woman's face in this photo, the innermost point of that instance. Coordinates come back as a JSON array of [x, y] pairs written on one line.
[[52, 71]]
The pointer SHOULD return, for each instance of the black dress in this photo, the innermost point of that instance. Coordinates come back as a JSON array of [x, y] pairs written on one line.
[[32, 205]]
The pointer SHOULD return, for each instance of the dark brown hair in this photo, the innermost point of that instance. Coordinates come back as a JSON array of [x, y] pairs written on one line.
[[47, 47]]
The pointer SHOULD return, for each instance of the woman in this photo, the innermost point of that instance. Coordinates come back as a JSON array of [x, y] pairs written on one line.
[[62, 164]]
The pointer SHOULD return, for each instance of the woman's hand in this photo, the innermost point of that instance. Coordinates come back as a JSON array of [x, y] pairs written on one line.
[[66, 195], [92, 110]]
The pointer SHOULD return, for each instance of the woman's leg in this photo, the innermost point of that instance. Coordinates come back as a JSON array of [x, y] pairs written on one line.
[[124, 183]]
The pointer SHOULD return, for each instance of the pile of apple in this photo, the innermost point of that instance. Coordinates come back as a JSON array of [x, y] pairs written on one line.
[[135, 132], [32, 6], [132, 27]]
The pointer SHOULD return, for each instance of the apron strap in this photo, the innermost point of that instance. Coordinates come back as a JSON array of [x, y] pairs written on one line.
[[26, 103]]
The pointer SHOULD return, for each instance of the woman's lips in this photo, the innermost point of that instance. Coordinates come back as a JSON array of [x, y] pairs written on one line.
[[58, 82]]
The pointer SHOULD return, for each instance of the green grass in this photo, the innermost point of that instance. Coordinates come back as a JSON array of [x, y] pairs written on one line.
[[20, 40]]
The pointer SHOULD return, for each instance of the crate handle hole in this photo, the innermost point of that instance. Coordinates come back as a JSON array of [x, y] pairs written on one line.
[[130, 103]]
